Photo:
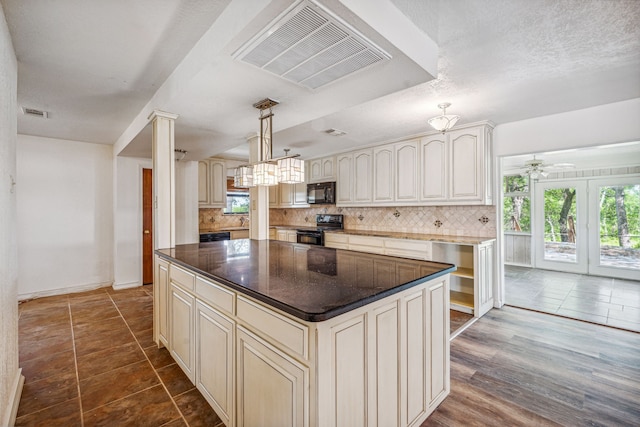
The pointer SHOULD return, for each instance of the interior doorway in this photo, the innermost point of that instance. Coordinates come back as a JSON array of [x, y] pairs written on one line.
[[147, 226]]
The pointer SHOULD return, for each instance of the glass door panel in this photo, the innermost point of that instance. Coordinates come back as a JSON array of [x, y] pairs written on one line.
[[561, 231], [615, 248]]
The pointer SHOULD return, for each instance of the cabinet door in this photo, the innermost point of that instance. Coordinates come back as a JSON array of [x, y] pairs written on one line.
[[203, 183], [286, 195], [281, 235], [328, 172], [273, 388], [406, 171], [161, 302], [466, 156], [344, 187], [383, 174], [437, 316], [484, 271], [435, 168], [218, 171], [300, 194], [181, 329], [215, 342], [315, 170], [274, 196], [362, 173]]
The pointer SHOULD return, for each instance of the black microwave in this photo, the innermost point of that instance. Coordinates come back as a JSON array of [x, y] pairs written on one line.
[[321, 193]]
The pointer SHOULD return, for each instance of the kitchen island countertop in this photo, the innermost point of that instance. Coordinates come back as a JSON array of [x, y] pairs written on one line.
[[312, 283]]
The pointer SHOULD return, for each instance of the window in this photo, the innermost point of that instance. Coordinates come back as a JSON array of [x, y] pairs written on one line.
[[517, 204], [237, 199]]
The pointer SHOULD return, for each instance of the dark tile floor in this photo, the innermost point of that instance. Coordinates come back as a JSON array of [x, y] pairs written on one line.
[[89, 359], [601, 300]]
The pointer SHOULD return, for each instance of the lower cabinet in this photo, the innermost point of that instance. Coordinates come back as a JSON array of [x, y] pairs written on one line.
[[273, 388], [287, 236], [215, 341], [383, 364], [181, 329]]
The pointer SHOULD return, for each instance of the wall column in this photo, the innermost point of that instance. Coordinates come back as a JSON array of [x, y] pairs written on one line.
[[259, 209], [164, 197]]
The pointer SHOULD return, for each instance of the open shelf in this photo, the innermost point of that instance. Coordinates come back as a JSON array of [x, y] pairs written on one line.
[[465, 272], [461, 301]]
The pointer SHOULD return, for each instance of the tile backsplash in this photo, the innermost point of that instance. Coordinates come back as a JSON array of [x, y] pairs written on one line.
[[473, 221]]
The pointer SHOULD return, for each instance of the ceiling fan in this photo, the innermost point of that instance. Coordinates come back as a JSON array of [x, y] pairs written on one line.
[[536, 168]]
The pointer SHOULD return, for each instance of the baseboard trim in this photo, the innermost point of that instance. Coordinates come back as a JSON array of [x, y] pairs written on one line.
[[63, 291], [126, 285], [14, 400]]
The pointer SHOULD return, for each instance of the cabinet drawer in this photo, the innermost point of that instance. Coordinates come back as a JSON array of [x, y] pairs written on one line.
[[291, 335], [365, 241], [336, 238], [182, 277], [215, 294], [413, 248]]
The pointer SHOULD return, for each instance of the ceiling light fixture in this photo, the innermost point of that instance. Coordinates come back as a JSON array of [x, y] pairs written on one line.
[[534, 169], [445, 121], [269, 171], [179, 154]]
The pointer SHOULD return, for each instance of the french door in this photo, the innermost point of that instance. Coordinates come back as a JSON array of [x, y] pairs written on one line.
[[588, 226], [560, 232]]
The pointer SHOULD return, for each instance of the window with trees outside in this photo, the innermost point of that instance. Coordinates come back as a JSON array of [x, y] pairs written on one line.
[[517, 204], [237, 199]]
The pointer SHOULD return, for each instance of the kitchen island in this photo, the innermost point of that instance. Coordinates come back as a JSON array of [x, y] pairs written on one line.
[[285, 334]]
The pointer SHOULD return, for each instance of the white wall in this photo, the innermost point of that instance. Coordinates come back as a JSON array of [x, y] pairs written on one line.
[[10, 384], [187, 203], [601, 125], [128, 215], [128, 221], [65, 216]]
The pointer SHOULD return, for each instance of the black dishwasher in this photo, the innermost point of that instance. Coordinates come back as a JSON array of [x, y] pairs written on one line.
[[215, 236]]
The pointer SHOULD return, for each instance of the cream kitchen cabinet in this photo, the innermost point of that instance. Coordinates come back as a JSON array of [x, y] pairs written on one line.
[[285, 235], [321, 170], [239, 234], [182, 329], [396, 173], [385, 363], [214, 376], [355, 178], [472, 282], [273, 388], [161, 302], [288, 196], [212, 183], [456, 168]]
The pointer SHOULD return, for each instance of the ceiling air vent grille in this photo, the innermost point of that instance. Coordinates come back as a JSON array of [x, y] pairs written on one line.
[[311, 47], [33, 112]]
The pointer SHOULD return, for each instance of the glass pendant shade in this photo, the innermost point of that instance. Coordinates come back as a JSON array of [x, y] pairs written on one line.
[[291, 170], [265, 174], [444, 122], [243, 177]]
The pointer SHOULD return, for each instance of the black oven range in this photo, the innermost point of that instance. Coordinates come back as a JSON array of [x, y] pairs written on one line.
[[323, 222]]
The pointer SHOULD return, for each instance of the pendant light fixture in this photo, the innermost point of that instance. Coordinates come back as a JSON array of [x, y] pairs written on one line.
[[444, 121], [269, 171]]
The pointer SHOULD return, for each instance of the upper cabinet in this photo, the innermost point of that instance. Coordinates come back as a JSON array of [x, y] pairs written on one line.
[[288, 196], [321, 170], [212, 183], [450, 169], [456, 167]]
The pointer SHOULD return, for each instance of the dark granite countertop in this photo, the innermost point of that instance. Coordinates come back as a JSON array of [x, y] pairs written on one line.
[[312, 283]]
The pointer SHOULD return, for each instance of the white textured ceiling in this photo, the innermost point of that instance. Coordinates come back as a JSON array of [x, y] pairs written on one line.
[[98, 66]]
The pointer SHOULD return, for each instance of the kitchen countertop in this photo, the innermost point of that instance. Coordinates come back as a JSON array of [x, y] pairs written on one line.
[[313, 283], [417, 236]]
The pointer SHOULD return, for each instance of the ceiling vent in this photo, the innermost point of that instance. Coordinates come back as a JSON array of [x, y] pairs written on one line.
[[33, 112], [310, 46]]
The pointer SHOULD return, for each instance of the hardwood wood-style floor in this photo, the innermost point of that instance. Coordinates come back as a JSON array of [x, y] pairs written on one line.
[[515, 367], [89, 359]]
